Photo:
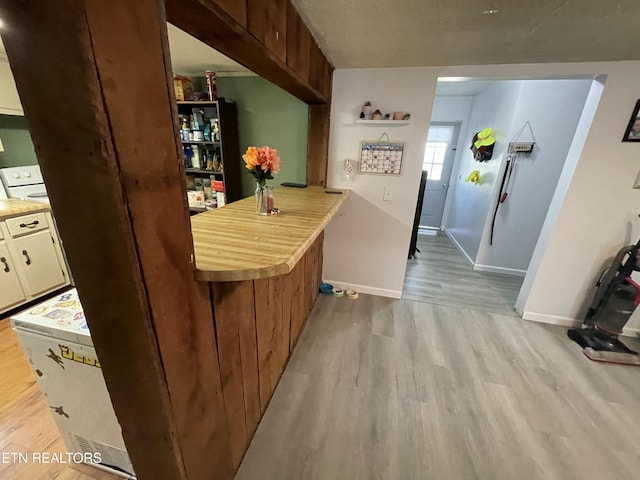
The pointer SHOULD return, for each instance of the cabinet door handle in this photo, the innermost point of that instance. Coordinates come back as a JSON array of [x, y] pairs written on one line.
[[29, 225], [6, 264], [26, 255]]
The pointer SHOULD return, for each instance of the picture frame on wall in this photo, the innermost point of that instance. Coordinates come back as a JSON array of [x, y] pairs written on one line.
[[632, 133]]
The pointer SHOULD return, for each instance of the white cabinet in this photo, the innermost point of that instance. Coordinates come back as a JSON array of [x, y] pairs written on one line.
[[33, 261], [11, 292], [9, 99], [40, 263]]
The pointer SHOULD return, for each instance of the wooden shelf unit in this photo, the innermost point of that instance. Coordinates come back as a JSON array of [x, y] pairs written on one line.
[[227, 147]]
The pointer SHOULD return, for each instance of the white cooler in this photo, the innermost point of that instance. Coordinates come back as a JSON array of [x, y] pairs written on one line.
[[56, 340]]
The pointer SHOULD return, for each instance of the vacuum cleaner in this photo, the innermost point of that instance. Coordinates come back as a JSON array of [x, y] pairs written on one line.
[[614, 301]]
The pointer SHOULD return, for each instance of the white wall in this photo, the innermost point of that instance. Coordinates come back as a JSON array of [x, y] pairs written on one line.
[[573, 156], [469, 204], [367, 244], [600, 210], [451, 108], [553, 108]]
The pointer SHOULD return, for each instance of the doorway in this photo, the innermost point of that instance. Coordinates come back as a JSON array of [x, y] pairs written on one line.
[[476, 239], [439, 155]]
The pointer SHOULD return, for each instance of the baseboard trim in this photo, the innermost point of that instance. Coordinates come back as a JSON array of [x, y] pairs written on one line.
[[550, 319], [459, 247], [570, 322], [502, 270], [631, 332], [380, 292]]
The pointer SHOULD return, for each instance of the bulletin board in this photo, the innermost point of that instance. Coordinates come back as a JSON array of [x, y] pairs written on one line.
[[381, 158]]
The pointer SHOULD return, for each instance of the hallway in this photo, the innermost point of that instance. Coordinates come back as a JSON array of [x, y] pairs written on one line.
[[440, 274]]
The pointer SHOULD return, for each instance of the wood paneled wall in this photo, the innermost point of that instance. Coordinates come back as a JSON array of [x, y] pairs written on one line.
[[258, 323], [125, 223], [273, 42], [118, 196]]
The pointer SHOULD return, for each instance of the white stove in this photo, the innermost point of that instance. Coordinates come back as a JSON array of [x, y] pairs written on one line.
[[25, 183]]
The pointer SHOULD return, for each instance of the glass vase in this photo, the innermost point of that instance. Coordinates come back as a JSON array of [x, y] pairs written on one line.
[[264, 199]]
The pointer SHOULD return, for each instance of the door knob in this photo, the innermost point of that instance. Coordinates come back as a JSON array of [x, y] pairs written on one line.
[[445, 185]]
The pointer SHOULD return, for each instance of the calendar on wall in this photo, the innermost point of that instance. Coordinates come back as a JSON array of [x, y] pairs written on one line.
[[381, 158]]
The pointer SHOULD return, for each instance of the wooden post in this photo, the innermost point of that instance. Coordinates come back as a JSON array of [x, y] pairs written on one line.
[[96, 88], [318, 144]]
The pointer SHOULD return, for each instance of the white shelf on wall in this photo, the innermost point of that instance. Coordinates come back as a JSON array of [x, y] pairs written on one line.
[[383, 122]]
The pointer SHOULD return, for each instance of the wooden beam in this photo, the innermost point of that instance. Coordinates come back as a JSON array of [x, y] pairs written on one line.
[[97, 93], [318, 144], [236, 8], [211, 24], [298, 42]]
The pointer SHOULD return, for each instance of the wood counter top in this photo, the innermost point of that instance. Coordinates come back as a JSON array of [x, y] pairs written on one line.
[[233, 243], [12, 207]]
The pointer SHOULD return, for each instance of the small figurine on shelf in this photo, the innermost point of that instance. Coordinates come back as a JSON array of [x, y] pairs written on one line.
[[377, 115], [367, 111]]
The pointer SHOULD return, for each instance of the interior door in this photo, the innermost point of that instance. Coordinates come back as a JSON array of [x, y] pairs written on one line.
[[39, 261], [439, 154]]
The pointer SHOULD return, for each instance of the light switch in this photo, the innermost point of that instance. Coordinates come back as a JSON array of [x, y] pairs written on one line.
[[386, 196]]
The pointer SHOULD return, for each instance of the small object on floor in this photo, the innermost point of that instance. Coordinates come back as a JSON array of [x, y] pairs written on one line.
[[326, 288], [275, 211], [613, 357], [352, 294], [338, 292]]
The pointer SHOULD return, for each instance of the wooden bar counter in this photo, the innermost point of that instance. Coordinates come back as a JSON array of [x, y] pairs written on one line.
[[233, 243], [263, 275]]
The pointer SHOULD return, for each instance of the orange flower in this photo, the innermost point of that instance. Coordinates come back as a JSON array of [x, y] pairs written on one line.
[[251, 158]]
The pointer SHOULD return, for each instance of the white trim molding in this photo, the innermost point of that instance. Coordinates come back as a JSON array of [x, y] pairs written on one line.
[[502, 270], [459, 247], [551, 319], [570, 322], [380, 292]]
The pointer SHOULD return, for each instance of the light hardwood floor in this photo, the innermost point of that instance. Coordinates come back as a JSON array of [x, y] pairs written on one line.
[[440, 274], [26, 424], [401, 390]]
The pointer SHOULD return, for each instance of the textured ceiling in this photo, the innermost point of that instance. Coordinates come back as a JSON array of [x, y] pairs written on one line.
[[398, 33]]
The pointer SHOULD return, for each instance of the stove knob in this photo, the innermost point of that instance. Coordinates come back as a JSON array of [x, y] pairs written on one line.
[[15, 175], [27, 174]]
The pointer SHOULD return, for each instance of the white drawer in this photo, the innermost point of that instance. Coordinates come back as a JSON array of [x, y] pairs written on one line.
[[26, 224]]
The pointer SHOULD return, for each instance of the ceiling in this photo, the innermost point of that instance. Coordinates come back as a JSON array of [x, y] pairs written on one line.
[[190, 56], [463, 87], [399, 33]]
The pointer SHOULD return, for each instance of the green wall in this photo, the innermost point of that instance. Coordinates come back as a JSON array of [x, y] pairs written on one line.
[[18, 147], [267, 115]]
